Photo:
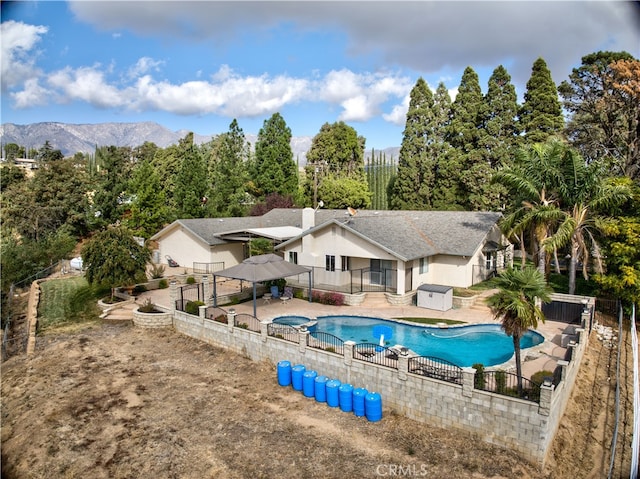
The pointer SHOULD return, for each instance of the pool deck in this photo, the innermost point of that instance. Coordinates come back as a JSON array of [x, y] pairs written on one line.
[[542, 357]]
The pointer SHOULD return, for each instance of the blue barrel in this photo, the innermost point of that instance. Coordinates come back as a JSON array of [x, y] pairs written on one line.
[[296, 376], [358, 401], [373, 406], [284, 373], [346, 397], [321, 388], [332, 387], [308, 383]]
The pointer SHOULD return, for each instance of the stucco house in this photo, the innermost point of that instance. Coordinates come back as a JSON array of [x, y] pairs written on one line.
[[368, 250]]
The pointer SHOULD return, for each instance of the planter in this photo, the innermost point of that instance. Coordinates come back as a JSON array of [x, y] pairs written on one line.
[[159, 319], [461, 302]]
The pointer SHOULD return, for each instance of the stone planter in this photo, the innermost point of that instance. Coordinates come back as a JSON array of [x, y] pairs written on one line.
[[461, 302], [400, 299], [355, 299], [152, 320], [105, 306]]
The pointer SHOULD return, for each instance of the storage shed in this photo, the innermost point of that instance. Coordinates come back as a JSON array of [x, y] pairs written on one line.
[[435, 296]]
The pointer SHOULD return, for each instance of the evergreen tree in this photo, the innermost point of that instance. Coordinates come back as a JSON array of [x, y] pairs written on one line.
[[191, 186], [149, 211], [274, 170], [499, 134], [603, 98], [541, 113], [229, 195], [413, 184], [336, 154], [111, 178]]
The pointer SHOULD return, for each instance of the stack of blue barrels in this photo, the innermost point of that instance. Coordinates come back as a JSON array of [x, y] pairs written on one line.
[[336, 394]]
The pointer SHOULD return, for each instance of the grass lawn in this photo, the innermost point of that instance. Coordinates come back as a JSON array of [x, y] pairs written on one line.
[[65, 301]]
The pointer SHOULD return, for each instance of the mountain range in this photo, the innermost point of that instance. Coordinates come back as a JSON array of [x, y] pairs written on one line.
[[73, 138]]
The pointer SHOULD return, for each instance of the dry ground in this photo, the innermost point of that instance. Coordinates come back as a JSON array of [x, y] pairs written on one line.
[[115, 401]]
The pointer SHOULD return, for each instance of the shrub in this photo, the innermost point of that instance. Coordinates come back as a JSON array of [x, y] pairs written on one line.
[[148, 307], [331, 298], [193, 307], [478, 380], [157, 271], [191, 280], [501, 381], [162, 284], [538, 378], [139, 288]]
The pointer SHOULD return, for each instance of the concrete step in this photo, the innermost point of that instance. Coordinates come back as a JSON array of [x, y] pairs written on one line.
[[373, 300]]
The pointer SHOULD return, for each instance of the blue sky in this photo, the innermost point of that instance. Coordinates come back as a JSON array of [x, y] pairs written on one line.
[[198, 65]]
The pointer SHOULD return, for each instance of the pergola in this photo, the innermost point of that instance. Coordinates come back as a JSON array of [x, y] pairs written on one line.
[[258, 269]]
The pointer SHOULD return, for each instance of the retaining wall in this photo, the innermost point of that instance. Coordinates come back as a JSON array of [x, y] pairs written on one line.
[[524, 426]]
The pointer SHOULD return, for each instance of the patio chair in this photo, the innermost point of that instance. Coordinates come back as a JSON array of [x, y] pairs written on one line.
[[287, 294]]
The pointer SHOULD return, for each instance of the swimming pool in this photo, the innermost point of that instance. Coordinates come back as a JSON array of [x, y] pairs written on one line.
[[461, 345]]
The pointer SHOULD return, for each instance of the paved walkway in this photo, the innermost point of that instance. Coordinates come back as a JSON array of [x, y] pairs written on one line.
[[542, 357]]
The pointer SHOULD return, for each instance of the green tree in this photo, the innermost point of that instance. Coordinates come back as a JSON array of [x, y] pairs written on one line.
[[113, 258], [602, 97], [413, 183], [336, 151], [340, 192], [47, 153], [113, 168], [13, 151], [515, 305], [229, 174], [541, 114], [148, 210], [191, 184], [274, 170], [9, 175], [535, 209]]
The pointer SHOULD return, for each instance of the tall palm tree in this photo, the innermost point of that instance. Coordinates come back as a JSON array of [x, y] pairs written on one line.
[[585, 192], [516, 305], [530, 182]]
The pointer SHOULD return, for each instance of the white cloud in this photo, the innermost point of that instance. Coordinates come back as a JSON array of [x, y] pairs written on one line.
[[143, 66], [32, 94], [398, 114], [17, 42], [86, 84]]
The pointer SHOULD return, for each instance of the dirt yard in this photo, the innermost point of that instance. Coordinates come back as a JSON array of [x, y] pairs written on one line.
[[115, 401]]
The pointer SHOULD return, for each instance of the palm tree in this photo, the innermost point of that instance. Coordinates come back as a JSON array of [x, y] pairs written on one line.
[[516, 305], [584, 191], [531, 182]]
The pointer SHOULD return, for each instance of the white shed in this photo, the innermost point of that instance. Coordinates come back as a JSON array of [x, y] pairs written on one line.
[[435, 296]]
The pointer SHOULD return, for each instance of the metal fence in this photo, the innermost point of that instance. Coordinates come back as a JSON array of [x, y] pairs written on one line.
[[216, 314], [374, 353], [327, 342], [436, 368], [207, 268], [352, 281], [283, 331], [247, 321], [189, 293], [506, 383]]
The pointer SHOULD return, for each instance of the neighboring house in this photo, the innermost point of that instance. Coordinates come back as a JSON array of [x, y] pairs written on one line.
[[368, 250]]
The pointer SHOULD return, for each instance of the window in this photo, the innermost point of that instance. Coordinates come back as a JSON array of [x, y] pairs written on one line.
[[490, 261], [345, 263], [330, 262], [424, 265], [293, 257]]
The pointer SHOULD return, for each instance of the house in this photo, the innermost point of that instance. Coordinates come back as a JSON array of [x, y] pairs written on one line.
[[368, 250]]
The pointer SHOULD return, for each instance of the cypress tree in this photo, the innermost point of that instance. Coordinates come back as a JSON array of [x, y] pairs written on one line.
[[541, 113], [414, 180]]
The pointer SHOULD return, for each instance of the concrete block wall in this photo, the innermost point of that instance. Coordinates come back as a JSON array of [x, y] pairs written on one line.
[[525, 426]]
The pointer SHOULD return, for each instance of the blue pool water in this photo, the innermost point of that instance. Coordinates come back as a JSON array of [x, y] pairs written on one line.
[[461, 345]]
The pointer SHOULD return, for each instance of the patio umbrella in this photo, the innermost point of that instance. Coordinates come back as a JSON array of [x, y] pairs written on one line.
[[261, 268]]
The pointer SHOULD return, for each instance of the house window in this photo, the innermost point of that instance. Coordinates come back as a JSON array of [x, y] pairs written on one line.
[[330, 262], [345, 263], [490, 261], [293, 257], [424, 265]]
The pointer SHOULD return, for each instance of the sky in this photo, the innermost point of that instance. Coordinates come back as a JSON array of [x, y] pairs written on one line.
[[197, 65]]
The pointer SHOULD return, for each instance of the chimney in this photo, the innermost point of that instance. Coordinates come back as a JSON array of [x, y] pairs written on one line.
[[308, 218]]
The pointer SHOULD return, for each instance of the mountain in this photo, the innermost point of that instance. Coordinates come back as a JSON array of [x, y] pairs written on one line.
[[71, 138]]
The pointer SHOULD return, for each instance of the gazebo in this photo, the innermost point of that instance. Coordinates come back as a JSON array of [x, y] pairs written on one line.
[[261, 268]]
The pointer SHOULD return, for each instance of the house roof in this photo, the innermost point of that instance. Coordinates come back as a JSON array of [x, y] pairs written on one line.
[[405, 234], [416, 234]]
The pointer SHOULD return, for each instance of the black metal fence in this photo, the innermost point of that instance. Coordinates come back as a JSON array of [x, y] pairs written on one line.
[[374, 353], [216, 314], [506, 383], [247, 321], [436, 368], [187, 294], [283, 331], [327, 342], [351, 281]]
